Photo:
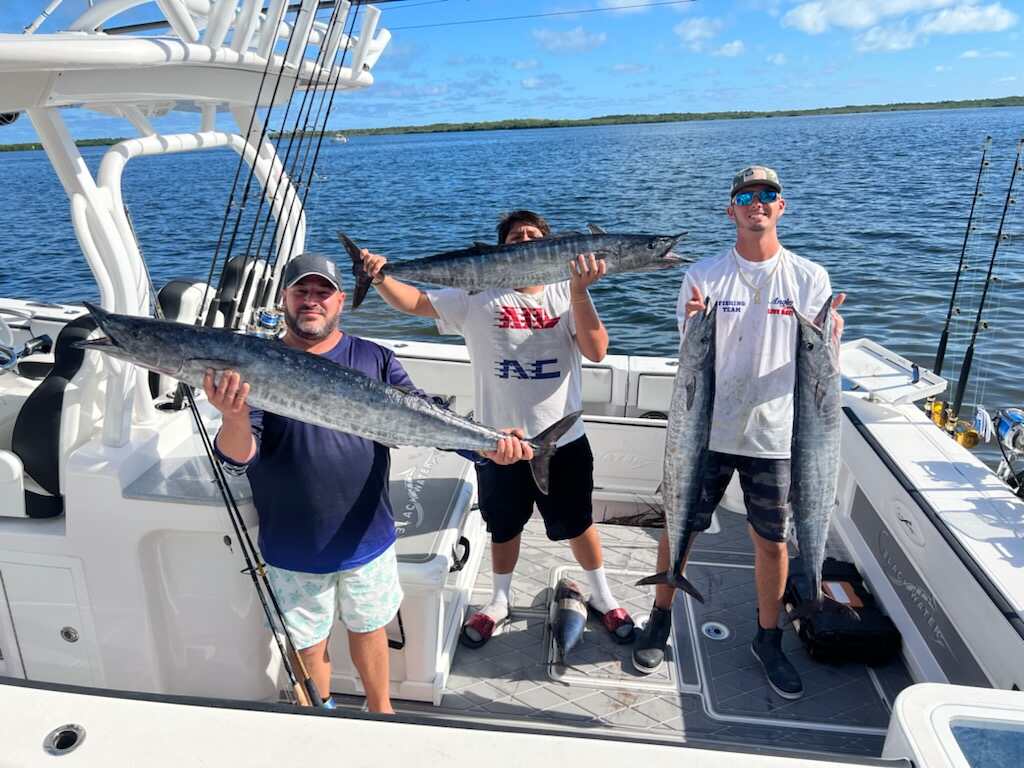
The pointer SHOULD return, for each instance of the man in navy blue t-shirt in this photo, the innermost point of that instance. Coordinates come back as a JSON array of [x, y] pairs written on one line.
[[327, 532]]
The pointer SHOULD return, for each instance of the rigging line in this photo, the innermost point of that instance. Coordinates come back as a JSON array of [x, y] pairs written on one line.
[[306, 185], [308, 694], [270, 195], [944, 339], [988, 356], [230, 311], [286, 215], [320, 139], [211, 316], [548, 14], [965, 371], [337, 77]]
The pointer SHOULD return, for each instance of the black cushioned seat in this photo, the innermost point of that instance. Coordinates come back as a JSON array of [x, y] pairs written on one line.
[[37, 430]]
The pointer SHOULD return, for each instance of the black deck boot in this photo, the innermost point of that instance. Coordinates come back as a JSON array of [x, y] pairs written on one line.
[[649, 648], [782, 676]]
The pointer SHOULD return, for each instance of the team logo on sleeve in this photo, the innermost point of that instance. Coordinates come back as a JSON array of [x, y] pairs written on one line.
[[525, 318]]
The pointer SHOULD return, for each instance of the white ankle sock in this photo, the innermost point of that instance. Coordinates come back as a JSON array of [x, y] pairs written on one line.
[[600, 595], [497, 609]]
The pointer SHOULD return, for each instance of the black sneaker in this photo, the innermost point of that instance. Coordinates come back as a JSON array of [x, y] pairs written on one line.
[[649, 648], [782, 676]]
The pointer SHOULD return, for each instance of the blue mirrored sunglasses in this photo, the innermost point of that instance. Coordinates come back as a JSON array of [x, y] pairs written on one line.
[[764, 195]]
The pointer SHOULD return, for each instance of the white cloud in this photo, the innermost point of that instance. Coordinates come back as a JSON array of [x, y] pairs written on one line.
[[943, 68], [965, 19], [973, 54], [525, 64], [696, 32], [778, 59], [898, 37], [735, 48], [575, 40], [1007, 79], [541, 82], [821, 15]]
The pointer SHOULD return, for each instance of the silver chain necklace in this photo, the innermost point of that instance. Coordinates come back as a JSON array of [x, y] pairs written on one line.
[[747, 282]]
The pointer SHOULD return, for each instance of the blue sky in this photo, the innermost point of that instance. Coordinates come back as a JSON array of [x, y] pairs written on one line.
[[708, 55]]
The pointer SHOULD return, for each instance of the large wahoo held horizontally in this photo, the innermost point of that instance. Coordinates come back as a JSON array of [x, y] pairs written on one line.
[[515, 265], [815, 451], [305, 387], [686, 446]]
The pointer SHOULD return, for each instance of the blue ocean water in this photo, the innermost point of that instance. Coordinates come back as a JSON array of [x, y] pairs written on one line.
[[881, 200]]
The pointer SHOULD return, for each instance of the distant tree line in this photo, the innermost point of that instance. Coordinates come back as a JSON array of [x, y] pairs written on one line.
[[663, 117]]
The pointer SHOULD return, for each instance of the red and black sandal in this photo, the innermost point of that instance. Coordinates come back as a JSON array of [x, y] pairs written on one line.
[[614, 620], [483, 625]]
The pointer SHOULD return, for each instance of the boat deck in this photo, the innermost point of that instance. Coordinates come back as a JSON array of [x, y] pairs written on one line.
[[716, 696]]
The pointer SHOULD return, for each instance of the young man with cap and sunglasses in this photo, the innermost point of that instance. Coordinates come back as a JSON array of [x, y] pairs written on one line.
[[327, 532], [757, 285]]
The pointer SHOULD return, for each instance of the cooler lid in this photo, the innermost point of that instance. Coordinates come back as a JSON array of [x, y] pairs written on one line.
[[883, 375], [430, 498]]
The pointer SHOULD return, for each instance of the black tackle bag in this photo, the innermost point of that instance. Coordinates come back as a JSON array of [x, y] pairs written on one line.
[[837, 638]]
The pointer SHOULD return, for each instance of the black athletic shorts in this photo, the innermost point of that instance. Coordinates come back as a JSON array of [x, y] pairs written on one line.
[[765, 484], [507, 495]]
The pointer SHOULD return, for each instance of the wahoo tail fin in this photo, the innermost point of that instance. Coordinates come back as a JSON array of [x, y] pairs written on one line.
[[676, 580], [363, 280], [544, 448]]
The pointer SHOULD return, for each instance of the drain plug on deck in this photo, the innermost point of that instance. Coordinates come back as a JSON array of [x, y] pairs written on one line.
[[714, 630], [65, 739]]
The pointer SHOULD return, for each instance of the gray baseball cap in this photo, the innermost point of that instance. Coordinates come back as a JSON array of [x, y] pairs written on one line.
[[311, 264]]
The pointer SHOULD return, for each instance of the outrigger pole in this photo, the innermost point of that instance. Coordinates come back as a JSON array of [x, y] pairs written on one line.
[[940, 355], [965, 371]]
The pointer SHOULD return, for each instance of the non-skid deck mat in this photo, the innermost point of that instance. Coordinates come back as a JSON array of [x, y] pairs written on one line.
[[844, 698], [509, 680]]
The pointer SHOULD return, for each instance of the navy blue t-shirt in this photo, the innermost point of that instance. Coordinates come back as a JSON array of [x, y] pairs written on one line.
[[322, 495]]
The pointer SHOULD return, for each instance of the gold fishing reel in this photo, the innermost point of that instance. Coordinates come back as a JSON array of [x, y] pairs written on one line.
[[961, 431]]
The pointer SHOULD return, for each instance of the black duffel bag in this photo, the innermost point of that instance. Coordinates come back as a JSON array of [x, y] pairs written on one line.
[[838, 637]]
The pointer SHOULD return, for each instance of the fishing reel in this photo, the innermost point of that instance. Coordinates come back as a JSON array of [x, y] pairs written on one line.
[[1009, 432]]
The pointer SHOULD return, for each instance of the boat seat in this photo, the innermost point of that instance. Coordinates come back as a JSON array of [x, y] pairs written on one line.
[[36, 438], [180, 300]]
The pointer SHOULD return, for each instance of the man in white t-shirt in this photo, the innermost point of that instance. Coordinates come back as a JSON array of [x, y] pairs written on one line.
[[525, 346], [756, 284]]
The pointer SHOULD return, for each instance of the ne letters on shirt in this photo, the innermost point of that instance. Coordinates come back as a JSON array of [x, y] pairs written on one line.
[[527, 369], [755, 344]]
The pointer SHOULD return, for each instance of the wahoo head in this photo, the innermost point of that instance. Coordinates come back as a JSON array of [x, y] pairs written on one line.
[[139, 340], [818, 352], [698, 345], [648, 253]]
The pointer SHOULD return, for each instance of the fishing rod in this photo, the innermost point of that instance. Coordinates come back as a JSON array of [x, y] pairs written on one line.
[[965, 370], [940, 354], [306, 693], [333, 31]]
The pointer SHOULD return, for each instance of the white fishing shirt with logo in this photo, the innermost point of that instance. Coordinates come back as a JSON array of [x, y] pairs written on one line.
[[755, 345], [527, 368]]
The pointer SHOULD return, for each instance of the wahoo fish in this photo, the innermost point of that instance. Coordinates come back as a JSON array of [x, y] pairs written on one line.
[[686, 446], [567, 618], [815, 451], [514, 265], [305, 387]]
